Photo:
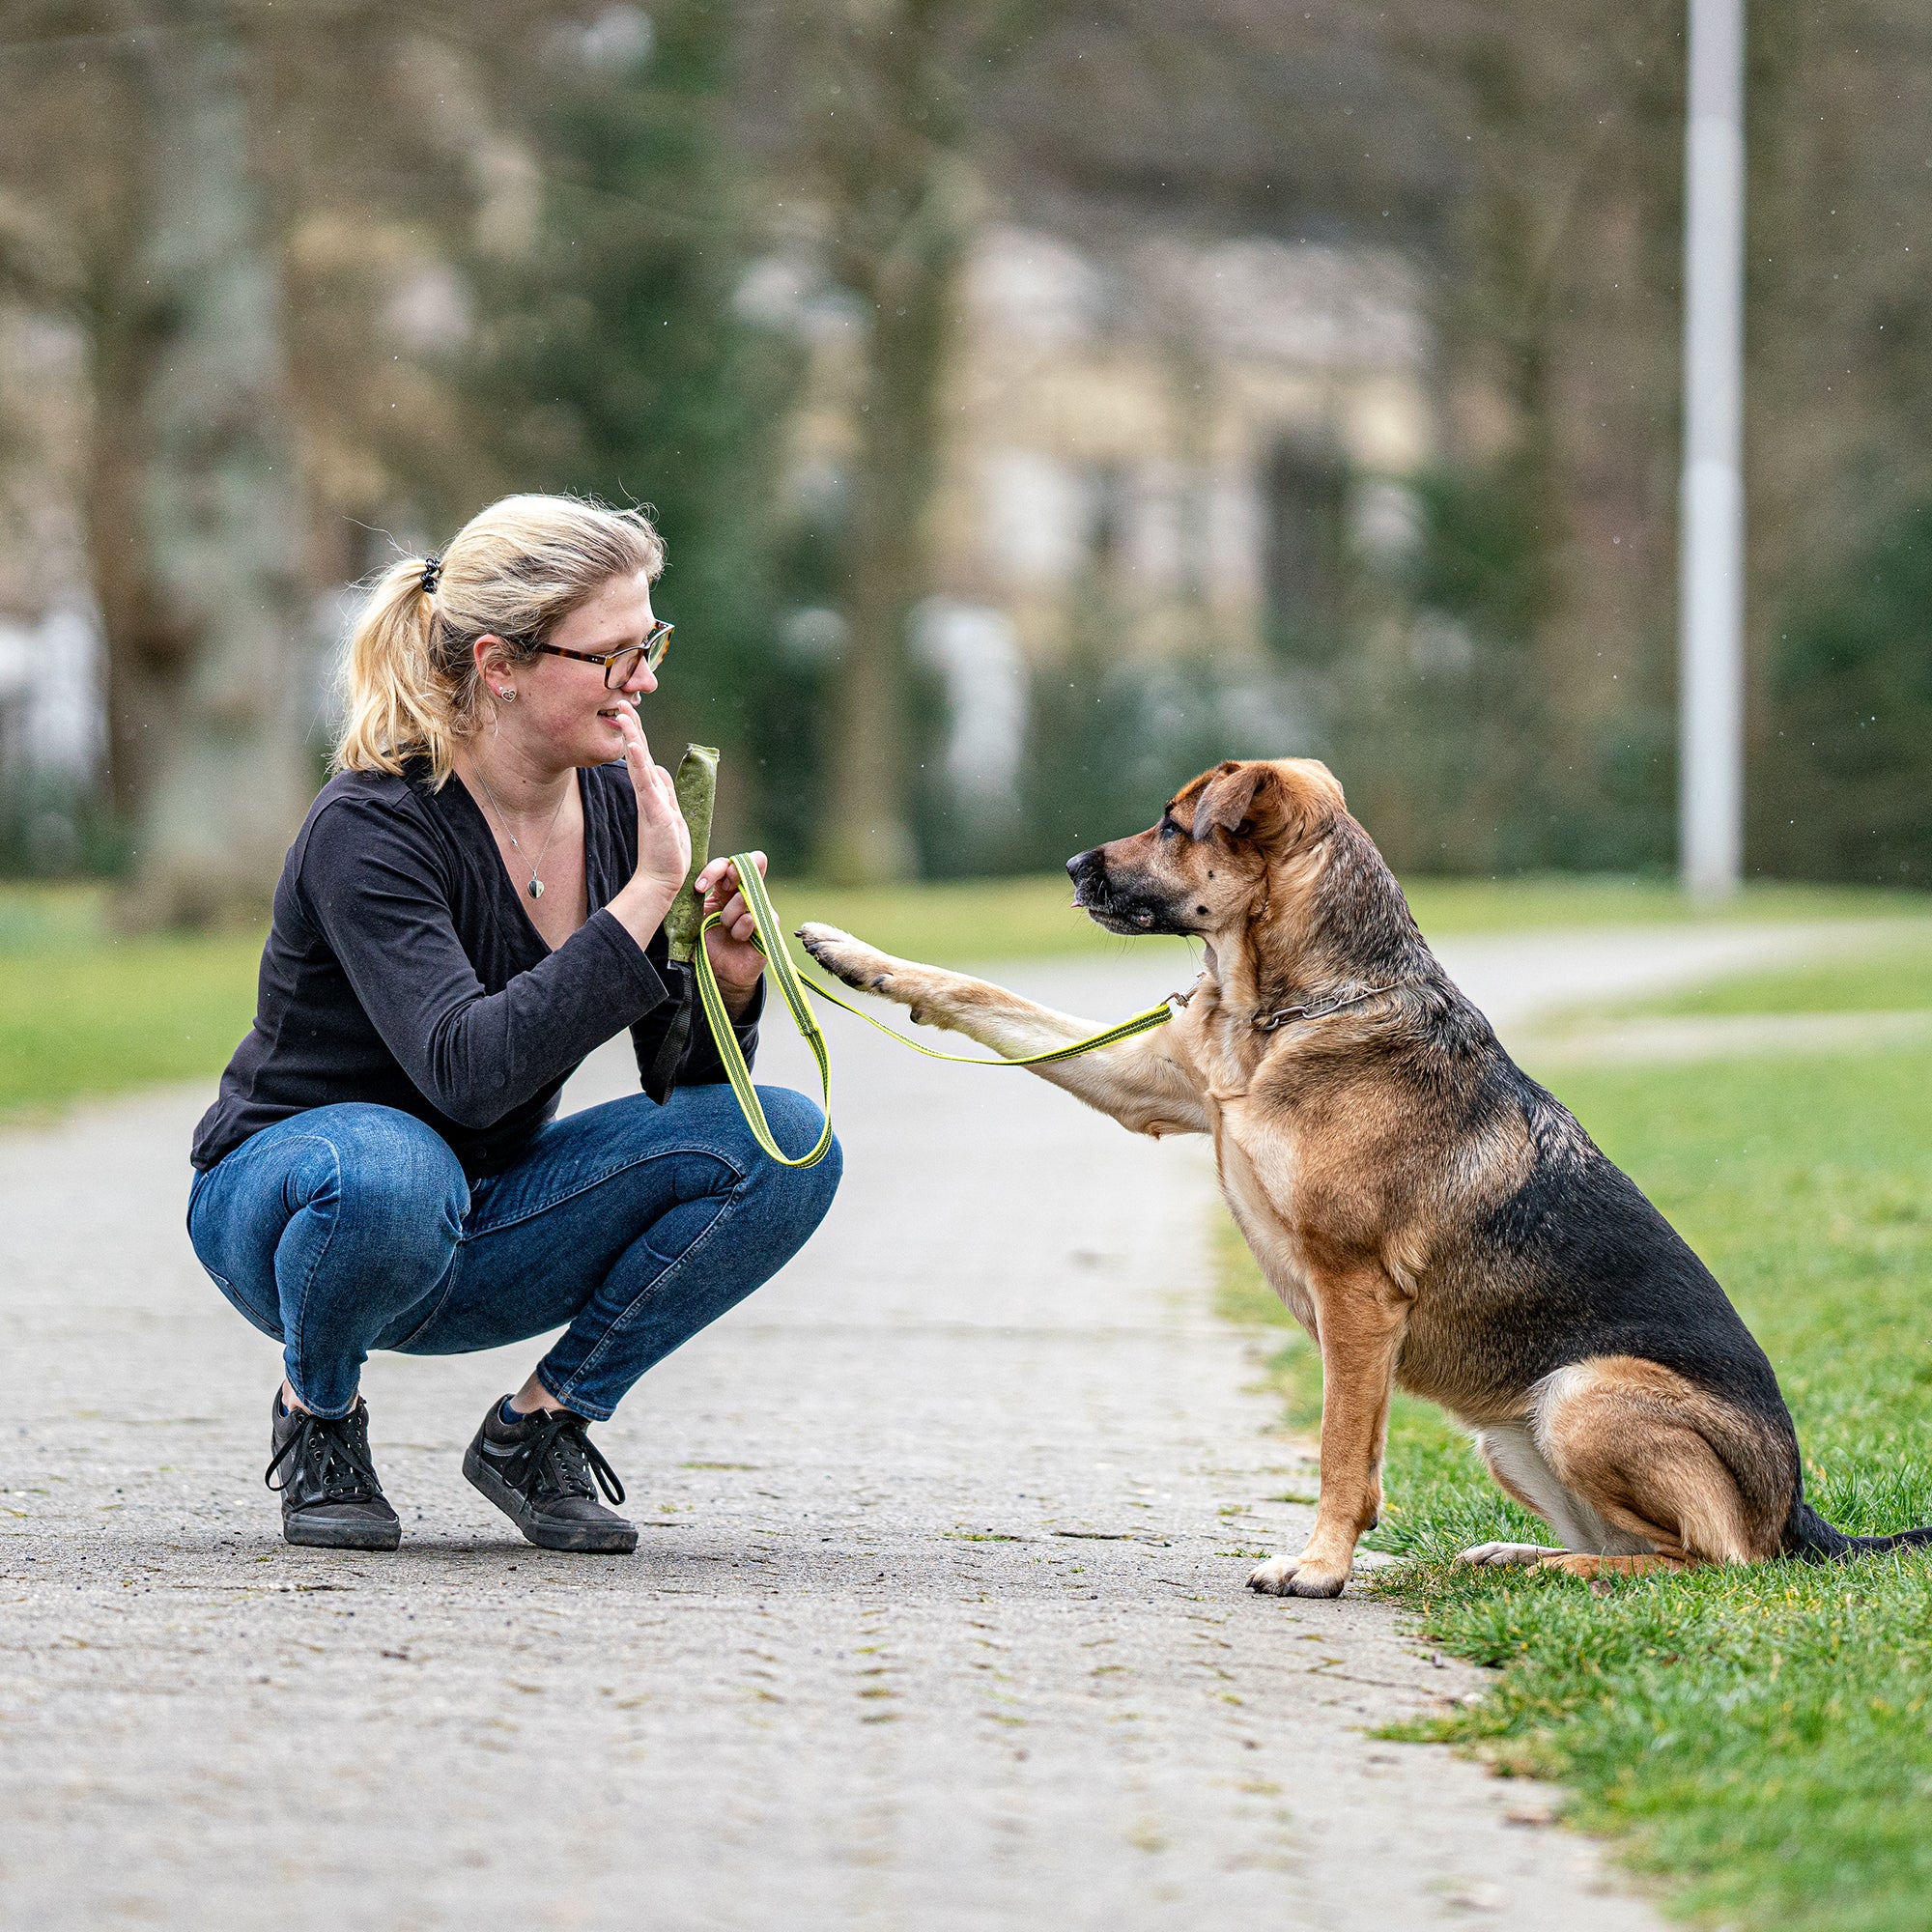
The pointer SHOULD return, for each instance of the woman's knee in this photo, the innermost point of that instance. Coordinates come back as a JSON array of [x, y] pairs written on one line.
[[392, 1178], [796, 1123]]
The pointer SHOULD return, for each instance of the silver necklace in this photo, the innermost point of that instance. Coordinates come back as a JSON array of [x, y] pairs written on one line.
[[535, 886]]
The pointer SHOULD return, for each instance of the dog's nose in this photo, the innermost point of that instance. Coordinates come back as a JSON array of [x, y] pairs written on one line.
[[1089, 872]]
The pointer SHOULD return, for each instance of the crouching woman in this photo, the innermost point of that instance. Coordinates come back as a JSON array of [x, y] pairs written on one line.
[[474, 902]]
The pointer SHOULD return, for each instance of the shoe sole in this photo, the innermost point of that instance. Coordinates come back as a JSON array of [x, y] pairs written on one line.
[[583, 1538], [341, 1535]]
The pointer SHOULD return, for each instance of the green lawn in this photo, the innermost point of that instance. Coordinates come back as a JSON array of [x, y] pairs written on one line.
[[95, 1014], [1888, 974], [1761, 1736], [85, 1011], [1542, 901], [1017, 918]]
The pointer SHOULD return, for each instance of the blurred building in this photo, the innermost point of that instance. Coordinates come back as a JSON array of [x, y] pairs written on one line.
[[1200, 430], [50, 722], [1186, 446]]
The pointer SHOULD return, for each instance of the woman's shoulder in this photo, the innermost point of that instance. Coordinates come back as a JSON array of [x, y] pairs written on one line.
[[363, 811], [390, 788]]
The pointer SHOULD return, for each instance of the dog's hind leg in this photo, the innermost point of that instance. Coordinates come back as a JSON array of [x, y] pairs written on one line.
[[1574, 1563], [1505, 1555], [1516, 1463], [1687, 1476]]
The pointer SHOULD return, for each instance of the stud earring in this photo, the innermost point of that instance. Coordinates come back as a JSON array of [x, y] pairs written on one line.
[[507, 694]]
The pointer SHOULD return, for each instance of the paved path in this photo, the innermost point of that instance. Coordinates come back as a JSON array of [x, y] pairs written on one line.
[[939, 1621]]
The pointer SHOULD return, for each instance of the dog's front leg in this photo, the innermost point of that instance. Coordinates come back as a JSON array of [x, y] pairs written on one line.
[[1138, 1082], [1361, 1326]]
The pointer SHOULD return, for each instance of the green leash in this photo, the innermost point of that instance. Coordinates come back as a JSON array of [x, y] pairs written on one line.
[[796, 994]]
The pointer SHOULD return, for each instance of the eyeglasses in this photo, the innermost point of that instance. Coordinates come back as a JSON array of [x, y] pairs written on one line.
[[621, 666]]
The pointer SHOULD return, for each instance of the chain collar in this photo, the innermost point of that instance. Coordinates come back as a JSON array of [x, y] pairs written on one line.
[[1282, 1015]]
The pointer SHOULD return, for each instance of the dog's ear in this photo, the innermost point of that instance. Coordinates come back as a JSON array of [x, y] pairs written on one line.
[[1227, 799], [1267, 798]]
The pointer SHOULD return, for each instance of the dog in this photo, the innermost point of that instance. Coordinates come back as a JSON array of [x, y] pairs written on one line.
[[1432, 1216]]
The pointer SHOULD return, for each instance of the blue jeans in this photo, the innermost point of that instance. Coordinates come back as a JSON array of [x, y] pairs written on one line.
[[351, 1227]]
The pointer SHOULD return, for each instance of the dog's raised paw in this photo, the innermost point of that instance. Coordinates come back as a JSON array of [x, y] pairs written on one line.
[[1290, 1576], [846, 957]]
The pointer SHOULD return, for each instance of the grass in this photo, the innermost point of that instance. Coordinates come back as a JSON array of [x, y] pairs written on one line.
[[1761, 1736], [1891, 976], [85, 1011], [972, 920], [1539, 902], [82, 1011]]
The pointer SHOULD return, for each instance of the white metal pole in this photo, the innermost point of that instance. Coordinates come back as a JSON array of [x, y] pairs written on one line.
[[1711, 687]]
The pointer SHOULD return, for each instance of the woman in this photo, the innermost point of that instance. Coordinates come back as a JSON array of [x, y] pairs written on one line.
[[474, 901]]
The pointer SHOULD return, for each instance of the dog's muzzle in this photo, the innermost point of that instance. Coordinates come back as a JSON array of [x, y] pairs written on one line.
[[1093, 894]]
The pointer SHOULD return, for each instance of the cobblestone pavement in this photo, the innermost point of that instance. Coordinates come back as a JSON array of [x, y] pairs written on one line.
[[938, 1621]]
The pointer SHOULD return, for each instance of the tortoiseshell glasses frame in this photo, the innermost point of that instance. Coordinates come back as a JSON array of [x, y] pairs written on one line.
[[621, 666]]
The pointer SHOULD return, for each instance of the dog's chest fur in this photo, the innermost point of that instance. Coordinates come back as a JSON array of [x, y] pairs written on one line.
[[1248, 1143], [1343, 1186], [1271, 1239]]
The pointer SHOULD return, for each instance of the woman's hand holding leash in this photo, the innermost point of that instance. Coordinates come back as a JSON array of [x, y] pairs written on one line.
[[664, 839], [737, 963]]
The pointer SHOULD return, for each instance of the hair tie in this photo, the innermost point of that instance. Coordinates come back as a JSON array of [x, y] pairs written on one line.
[[432, 570]]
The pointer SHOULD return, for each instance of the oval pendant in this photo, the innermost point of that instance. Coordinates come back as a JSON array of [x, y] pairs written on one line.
[[536, 889]]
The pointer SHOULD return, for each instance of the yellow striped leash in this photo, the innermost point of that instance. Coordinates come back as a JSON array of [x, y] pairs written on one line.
[[796, 990]]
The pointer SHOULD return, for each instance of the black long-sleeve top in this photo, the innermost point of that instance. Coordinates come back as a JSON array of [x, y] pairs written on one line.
[[402, 969]]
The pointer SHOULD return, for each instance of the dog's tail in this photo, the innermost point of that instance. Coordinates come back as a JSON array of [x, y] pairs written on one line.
[[1808, 1535]]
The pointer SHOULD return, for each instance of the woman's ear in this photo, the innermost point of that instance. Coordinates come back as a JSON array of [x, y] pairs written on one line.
[[493, 660]]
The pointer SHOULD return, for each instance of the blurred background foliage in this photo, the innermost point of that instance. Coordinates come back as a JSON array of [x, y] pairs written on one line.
[[877, 304]]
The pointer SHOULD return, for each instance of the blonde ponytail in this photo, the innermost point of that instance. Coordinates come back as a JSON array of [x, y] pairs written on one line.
[[515, 570]]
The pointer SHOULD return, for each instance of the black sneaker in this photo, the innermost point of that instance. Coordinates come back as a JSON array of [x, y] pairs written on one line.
[[538, 1470], [330, 1497]]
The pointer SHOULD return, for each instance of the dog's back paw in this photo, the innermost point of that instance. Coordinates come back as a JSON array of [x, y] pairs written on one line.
[[1589, 1566], [1508, 1556]]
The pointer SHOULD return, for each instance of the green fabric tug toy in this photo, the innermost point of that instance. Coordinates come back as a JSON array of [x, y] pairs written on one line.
[[696, 793], [696, 786]]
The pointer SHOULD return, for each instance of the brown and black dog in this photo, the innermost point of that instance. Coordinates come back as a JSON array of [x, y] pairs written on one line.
[[1430, 1214]]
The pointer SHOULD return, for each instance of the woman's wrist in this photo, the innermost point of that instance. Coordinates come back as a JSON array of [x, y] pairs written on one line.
[[640, 907], [738, 1000]]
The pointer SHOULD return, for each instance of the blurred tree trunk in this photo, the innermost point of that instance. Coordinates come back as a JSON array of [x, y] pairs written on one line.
[[903, 203], [123, 327], [197, 527]]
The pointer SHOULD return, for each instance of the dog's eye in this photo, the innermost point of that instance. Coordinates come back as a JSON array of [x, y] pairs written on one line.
[[1169, 829]]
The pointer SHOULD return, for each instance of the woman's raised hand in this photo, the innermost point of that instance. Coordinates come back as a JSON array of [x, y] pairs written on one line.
[[664, 839]]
